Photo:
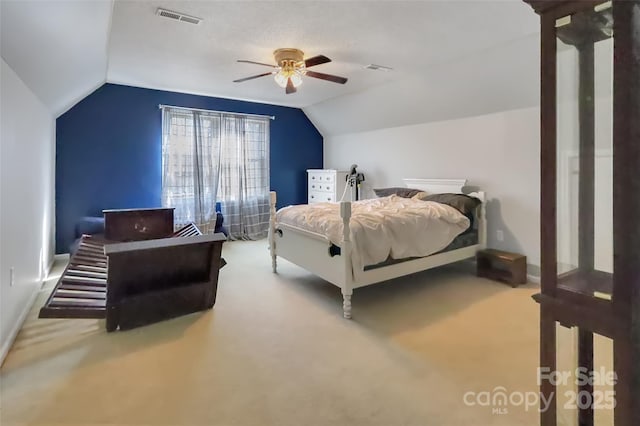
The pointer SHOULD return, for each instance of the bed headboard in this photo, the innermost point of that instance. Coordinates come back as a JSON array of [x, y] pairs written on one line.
[[440, 186], [437, 186]]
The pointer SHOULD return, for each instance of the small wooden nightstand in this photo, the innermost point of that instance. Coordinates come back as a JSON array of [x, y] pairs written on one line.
[[502, 266]]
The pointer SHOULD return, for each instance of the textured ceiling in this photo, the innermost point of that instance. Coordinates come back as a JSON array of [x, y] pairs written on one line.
[[410, 37], [449, 58]]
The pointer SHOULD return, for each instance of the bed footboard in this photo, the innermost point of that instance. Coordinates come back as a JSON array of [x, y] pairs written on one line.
[[314, 252]]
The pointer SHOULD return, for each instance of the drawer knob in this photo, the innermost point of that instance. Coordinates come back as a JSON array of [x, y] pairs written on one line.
[[312, 196], [313, 177]]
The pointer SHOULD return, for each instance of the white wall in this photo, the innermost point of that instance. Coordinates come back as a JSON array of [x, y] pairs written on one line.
[[27, 158], [498, 153]]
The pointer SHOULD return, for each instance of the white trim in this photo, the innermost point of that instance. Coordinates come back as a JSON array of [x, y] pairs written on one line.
[[49, 269], [64, 257], [533, 279], [11, 338], [6, 346]]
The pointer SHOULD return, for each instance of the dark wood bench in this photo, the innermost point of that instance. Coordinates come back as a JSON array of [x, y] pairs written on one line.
[[137, 280]]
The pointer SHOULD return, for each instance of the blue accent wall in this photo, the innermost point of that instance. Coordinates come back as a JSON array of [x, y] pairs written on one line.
[[108, 151]]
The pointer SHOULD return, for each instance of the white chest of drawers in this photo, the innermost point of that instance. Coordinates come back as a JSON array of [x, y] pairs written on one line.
[[326, 185]]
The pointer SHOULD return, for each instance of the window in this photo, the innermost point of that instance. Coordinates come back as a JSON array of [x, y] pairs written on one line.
[[211, 157]]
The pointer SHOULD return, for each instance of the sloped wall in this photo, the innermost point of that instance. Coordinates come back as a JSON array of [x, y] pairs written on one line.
[[109, 151], [502, 78], [26, 197]]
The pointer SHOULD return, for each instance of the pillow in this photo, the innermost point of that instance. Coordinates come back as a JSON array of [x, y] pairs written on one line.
[[463, 203], [399, 191]]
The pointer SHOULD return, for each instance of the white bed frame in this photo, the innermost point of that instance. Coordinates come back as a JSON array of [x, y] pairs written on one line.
[[314, 253]]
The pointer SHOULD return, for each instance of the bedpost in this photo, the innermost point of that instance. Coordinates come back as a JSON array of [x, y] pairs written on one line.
[[272, 230], [481, 215], [483, 221], [345, 254]]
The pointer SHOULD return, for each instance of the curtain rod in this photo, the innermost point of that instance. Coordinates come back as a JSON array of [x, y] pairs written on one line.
[[272, 117]]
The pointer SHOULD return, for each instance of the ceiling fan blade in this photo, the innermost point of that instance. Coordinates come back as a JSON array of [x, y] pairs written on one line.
[[290, 87], [252, 77], [244, 61], [328, 77], [316, 60]]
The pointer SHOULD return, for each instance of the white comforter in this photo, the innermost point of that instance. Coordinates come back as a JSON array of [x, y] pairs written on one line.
[[382, 227]]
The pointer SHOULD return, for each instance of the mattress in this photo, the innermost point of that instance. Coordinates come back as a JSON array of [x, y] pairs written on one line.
[[466, 239], [382, 227]]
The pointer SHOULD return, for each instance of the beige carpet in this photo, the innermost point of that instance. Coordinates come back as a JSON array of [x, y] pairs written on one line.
[[275, 350]]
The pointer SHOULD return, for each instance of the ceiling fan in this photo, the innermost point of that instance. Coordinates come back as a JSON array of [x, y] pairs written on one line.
[[290, 68]]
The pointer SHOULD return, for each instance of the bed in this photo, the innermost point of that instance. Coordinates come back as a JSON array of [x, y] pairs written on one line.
[[315, 251]]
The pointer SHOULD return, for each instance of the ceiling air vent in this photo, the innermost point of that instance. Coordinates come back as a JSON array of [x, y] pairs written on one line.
[[178, 16], [378, 67]]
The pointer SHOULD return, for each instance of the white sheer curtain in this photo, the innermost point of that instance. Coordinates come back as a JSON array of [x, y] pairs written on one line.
[[244, 176], [210, 157]]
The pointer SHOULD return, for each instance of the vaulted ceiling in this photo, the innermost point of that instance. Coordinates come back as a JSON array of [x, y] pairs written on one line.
[[450, 59], [58, 48]]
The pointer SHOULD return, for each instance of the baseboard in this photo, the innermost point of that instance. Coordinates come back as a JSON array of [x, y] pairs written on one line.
[[533, 279], [63, 256], [48, 271], [6, 346]]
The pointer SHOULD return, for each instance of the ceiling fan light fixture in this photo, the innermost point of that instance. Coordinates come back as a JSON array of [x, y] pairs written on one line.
[[282, 77], [291, 67], [296, 79]]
